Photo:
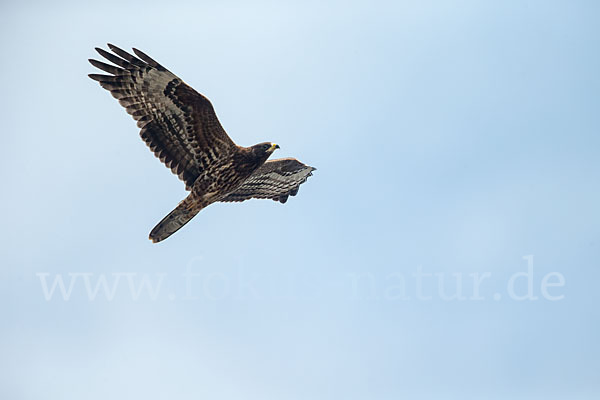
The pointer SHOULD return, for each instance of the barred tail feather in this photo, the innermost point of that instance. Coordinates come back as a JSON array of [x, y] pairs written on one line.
[[175, 220]]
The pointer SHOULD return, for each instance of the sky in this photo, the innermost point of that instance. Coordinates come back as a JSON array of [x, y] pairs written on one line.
[[447, 247]]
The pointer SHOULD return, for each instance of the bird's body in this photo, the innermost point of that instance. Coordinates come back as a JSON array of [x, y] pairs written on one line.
[[181, 128]]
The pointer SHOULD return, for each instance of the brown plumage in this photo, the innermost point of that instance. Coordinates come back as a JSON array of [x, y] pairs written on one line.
[[181, 128], [275, 180]]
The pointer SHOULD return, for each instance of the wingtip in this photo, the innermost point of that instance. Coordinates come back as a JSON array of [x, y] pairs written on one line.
[[139, 53], [97, 77]]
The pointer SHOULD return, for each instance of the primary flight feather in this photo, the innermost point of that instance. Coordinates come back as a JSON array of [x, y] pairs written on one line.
[[181, 128]]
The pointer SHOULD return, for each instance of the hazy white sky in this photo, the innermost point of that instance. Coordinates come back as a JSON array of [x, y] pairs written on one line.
[[454, 141]]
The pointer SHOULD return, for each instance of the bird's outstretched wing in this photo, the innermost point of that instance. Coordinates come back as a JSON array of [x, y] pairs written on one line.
[[177, 123], [275, 180]]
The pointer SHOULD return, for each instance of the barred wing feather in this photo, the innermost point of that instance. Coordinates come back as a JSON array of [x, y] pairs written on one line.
[[178, 124], [276, 180]]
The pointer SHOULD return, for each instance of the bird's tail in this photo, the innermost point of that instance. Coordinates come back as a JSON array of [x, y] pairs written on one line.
[[181, 215]]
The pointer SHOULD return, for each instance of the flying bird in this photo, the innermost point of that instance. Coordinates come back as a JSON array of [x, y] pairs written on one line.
[[181, 128]]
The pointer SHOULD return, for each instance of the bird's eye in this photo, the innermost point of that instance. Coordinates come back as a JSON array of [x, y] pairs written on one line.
[[266, 146]]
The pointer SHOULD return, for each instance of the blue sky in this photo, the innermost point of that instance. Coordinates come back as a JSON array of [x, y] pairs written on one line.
[[456, 142]]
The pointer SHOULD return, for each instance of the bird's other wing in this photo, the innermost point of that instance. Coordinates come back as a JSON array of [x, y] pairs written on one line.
[[275, 180], [177, 123]]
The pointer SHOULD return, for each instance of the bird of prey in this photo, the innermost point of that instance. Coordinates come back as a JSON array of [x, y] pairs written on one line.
[[181, 128]]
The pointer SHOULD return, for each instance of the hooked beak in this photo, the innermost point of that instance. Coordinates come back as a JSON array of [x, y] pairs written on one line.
[[273, 147]]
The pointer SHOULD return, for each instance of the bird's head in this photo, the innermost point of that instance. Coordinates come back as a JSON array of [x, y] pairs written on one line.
[[264, 149]]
